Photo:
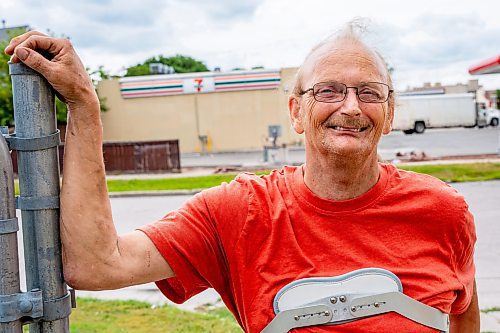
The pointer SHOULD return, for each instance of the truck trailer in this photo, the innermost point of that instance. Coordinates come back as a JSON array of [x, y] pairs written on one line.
[[415, 113]]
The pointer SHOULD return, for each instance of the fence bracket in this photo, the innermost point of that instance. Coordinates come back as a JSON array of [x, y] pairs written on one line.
[[31, 307], [16, 306], [33, 144], [54, 309], [37, 203], [9, 226]]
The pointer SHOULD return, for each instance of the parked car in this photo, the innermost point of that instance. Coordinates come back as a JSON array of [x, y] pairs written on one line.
[[492, 117]]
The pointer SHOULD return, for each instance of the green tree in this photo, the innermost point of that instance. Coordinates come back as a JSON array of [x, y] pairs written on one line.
[[180, 63], [96, 76], [6, 105]]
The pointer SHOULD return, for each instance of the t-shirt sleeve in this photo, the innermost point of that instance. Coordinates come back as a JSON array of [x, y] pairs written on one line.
[[194, 241], [464, 261]]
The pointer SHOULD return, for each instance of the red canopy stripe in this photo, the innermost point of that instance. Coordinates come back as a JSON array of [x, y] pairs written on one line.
[[489, 66]]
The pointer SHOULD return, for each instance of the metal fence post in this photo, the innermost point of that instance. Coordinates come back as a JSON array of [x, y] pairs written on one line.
[[9, 260], [36, 141]]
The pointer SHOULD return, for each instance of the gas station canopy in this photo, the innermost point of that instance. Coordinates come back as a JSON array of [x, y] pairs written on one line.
[[489, 66]]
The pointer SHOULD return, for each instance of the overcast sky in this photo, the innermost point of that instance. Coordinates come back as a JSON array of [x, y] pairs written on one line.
[[424, 41]]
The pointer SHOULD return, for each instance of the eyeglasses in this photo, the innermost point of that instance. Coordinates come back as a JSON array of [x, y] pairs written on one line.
[[333, 92]]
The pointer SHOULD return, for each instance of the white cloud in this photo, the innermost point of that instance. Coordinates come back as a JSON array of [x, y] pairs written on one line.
[[425, 42]]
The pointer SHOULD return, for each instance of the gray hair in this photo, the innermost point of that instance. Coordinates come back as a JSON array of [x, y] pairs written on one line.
[[352, 31]]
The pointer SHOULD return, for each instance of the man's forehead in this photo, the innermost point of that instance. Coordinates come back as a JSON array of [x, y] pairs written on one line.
[[340, 55]]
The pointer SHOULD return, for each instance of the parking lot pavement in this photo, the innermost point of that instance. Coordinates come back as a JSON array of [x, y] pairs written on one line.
[[451, 142]]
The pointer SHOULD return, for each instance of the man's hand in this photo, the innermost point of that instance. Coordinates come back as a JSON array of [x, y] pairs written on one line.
[[63, 70]]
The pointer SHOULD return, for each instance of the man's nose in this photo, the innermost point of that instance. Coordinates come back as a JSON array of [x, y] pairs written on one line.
[[351, 103]]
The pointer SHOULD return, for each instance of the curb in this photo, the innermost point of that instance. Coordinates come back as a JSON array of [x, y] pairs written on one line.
[[164, 193]]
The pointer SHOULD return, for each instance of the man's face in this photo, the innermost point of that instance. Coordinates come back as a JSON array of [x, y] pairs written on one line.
[[348, 128]]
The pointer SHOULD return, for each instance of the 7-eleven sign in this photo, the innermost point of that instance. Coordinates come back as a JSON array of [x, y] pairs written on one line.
[[198, 84]]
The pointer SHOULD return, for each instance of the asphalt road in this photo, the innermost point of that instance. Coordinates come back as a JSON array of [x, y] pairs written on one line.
[[434, 142]]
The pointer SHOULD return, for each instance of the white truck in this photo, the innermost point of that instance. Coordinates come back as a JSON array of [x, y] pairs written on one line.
[[415, 113], [492, 117]]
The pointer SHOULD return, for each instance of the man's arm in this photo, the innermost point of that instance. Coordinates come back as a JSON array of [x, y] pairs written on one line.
[[467, 322], [95, 257]]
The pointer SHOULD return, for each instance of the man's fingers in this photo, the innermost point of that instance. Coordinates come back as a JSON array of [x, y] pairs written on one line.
[[57, 61], [19, 39], [43, 44], [34, 48], [34, 60]]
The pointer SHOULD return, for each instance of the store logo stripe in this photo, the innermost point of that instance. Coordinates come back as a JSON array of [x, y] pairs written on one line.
[[247, 86], [151, 93], [245, 78], [146, 83], [245, 82], [150, 85], [231, 77], [151, 88]]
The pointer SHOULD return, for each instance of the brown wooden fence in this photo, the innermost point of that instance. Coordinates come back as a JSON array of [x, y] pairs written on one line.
[[134, 157]]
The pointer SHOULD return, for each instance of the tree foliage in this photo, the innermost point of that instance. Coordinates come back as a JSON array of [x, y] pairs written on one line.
[[6, 107], [6, 101], [180, 63]]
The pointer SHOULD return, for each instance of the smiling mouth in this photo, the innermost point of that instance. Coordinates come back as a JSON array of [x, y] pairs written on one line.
[[348, 129]]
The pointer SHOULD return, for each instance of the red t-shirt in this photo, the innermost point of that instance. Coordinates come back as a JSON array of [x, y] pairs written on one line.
[[249, 238]]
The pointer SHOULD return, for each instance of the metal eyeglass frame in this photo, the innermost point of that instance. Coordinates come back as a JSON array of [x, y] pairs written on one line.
[[346, 91]]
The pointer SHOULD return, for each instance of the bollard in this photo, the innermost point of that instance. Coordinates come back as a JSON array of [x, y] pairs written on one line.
[[9, 262], [36, 141], [266, 154], [498, 151]]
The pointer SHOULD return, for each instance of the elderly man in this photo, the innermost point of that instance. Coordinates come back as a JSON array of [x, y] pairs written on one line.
[[330, 220]]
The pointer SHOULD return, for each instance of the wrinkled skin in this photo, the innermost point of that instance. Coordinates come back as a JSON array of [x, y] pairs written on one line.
[[351, 64], [343, 161]]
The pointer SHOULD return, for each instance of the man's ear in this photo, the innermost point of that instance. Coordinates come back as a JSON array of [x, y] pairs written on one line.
[[389, 117], [295, 113]]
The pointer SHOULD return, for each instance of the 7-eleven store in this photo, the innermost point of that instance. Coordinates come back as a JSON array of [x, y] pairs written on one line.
[[215, 111]]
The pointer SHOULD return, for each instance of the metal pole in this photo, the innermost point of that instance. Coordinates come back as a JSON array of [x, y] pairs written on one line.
[[9, 260], [38, 170], [498, 150]]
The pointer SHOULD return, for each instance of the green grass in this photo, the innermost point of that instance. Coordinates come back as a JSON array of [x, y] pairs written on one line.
[[493, 309], [177, 183], [459, 172], [447, 172], [182, 183], [98, 316]]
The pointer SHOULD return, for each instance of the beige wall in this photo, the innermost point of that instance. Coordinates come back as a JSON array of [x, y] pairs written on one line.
[[235, 120]]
